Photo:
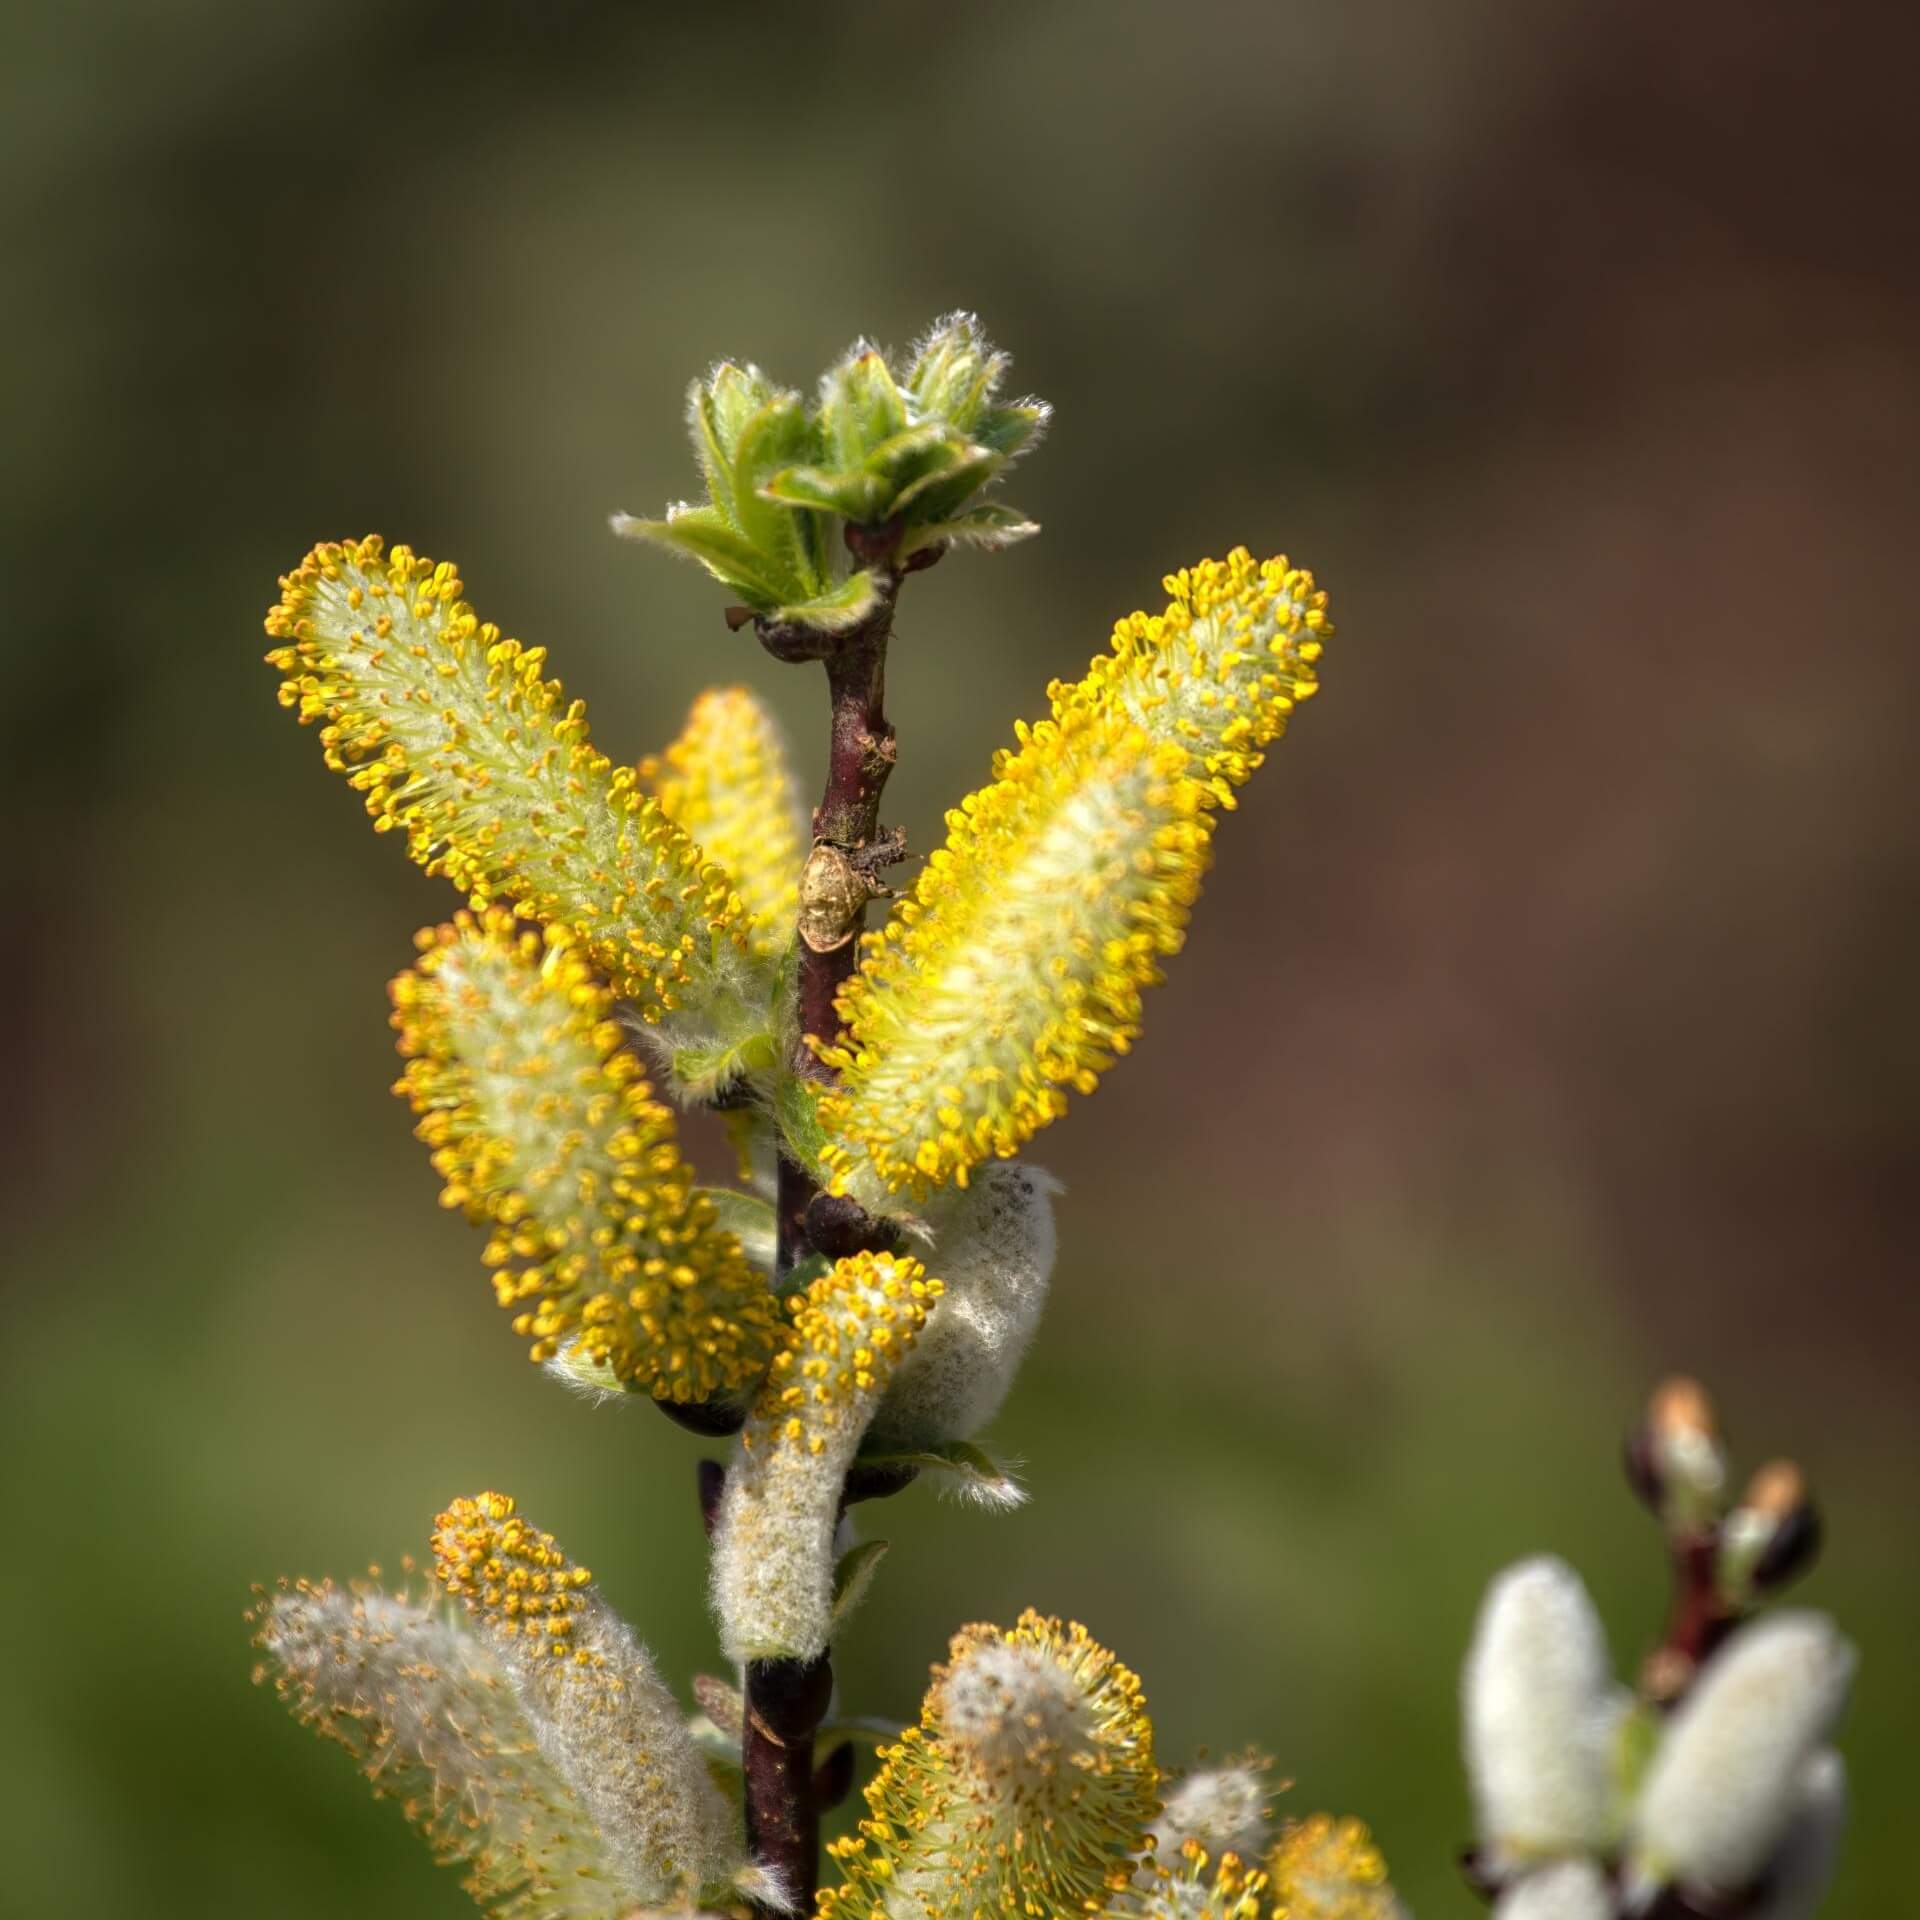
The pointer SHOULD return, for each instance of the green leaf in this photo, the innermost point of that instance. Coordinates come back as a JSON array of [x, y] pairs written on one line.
[[852, 1576], [854, 496], [956, 371], [749, 1219], [860, 407], [941, 492], [1635, 1739], [966, 1471], [868, 1729], [780, 435], [835, 610], [716, 409], [906, 457], [990, 525], [815, 1266], [703, 1073], [1009, 431], [796, 1112], [703, 534]]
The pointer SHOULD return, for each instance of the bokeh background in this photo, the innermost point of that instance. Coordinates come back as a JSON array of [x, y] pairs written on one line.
[[1549, 1021]]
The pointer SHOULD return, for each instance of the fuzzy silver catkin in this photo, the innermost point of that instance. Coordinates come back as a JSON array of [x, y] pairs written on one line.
[[1538, 1712], [993, 1244], [1223, 1808], [1562, 1890], [1726, 1780], [773, 1538], [1802, 1865], [598, 1707], [436, 1725]]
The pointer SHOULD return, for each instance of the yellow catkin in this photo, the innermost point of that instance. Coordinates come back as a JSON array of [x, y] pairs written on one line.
[[543, 1128], [1219, 670], [1323, 1868], [457, 742], [725, 781], [1014, 972], [1036, 1804]]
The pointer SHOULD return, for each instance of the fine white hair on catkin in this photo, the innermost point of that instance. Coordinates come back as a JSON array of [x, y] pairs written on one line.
[[1727, 1778], [599, 1709], [773, 1538], [1561, 1890], [993, 1245], [1539, 1710], [436, 1725], [1224, 1809], [1802, 1865]]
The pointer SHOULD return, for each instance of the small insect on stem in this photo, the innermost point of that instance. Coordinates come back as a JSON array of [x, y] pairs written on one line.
[[833, 898]]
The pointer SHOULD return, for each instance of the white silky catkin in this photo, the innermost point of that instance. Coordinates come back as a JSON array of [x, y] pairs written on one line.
[[773, 1539], [1538, 1714], [1802, 1865], [1726, 1780], [993, 1246], [436, 1725], [599, 1709]]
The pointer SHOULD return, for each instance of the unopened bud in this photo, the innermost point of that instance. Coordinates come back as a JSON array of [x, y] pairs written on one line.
[[1772, 1536], [1675, 1461]]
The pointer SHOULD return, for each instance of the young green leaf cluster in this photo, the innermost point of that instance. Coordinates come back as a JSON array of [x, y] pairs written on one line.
[[898, 455]]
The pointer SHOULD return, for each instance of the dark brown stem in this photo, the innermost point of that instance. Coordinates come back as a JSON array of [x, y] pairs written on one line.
[[787, 1699], [1698, 1621]]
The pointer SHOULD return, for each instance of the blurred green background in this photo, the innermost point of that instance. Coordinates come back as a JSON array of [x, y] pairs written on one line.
[[1549, 1020]]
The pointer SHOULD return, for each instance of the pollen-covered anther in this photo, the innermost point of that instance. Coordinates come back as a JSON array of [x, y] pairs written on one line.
[[542, 1127], [455, 739]]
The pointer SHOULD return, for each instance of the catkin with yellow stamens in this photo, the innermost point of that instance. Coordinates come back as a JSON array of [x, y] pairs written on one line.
[[600, 1711], [1193, 1884], [457, 741], [1219, 670], [1322, 1868], [725, 781], [1014, 971], [773, 1538], [435, 1725], [542, 1126], [1026, 1788]]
